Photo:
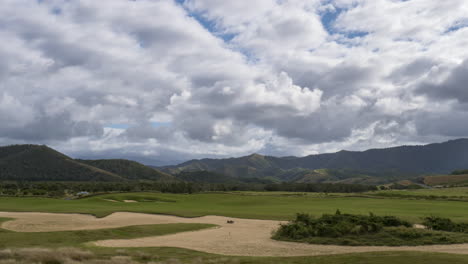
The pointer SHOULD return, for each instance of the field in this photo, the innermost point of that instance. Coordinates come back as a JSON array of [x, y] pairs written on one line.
[[273, 206], [245, 206], [446, 180]]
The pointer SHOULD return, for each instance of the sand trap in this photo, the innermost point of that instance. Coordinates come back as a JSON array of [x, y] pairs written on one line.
[[47, 222], [110, 200], [130, 201], [419, 226], [246, 237]]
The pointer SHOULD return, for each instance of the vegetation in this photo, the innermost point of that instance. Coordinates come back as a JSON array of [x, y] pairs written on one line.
[[166, 256], [264, 205], [320, 187], [40, 163], [76, 238], [382, 165], [280, 206], [130, 170], [444, 224], [379, 166], [460, 172], [67, 189], [459, 193], [447, 180], [71, 247], [371, 230]]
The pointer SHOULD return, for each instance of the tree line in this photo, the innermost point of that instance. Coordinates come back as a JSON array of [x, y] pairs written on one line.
[[60, 189]]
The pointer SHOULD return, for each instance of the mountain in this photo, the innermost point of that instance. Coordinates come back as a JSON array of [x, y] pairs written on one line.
[[214, 177], [128, 169], [374, 165], [41, 163]]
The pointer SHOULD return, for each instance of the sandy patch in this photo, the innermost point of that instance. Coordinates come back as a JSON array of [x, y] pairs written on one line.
[[47, 222], [110, 200], [246, 237], [130, 201]]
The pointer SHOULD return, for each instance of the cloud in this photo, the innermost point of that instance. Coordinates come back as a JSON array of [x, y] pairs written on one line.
[[453, 87], [286, 77]]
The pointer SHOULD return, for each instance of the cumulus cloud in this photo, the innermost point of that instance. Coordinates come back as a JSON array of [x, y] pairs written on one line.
[[159, 80]]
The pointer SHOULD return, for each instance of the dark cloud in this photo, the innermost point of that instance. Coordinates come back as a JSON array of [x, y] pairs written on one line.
[[51, 128], [455, 86], [449, 124], [412, 70]]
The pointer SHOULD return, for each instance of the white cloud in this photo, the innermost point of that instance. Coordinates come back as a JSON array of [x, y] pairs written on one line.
[[230, 78]]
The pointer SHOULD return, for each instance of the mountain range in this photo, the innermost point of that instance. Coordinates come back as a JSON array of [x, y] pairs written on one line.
[[370, 166], [374, 166]]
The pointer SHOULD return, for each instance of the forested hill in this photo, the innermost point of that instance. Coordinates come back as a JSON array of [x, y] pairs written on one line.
[[404, 160], [375, 166], [41, 163]]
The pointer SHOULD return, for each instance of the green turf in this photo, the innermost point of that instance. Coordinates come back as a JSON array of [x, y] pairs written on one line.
[[10, 239], [458, 192], [245, 206]]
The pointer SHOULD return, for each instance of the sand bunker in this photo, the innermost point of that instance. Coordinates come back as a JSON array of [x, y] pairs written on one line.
[[110, 200], [245, 237], [130, 201]]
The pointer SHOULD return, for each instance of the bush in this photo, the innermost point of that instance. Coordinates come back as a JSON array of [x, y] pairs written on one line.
[[336, 225], [444, 224]]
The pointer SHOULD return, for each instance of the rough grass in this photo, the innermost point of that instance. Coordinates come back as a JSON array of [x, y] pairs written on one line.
[[276, 207], [446, 179], [175, 256], [456, 193]]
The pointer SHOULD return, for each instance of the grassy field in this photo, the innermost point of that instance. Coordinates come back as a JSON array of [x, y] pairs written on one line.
[[446, 180], [281, 206], [457, 192]]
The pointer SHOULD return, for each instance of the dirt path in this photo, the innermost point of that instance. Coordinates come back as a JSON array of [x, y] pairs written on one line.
[[245, 237]]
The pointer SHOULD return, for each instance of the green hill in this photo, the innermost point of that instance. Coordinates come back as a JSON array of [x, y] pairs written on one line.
[[128, 169], [41, 163]]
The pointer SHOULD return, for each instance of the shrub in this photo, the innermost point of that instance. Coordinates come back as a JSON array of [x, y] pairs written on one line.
[[444, 224], [336, 225]]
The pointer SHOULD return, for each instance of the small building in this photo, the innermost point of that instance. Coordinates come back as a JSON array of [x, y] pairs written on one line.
[[82, 193]]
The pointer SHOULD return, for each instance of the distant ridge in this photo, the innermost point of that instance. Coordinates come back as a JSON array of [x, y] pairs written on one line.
[[374, 166], [369, 165]]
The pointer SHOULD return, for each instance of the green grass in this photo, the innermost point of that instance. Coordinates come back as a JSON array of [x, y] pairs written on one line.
[[77, 238], [457, 192], [281, 207]]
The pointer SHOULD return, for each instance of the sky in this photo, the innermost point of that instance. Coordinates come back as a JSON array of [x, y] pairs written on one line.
[[163, 81]]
